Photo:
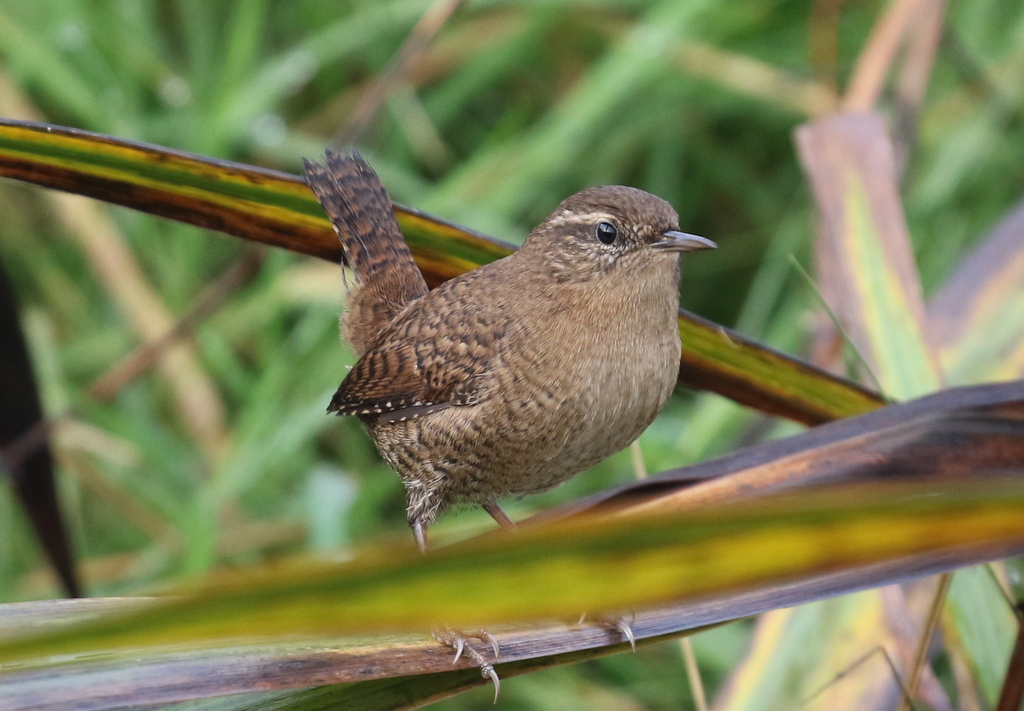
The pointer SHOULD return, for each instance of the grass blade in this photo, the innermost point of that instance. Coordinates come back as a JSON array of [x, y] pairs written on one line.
[[978, 313], [849, 161], [748, 558]]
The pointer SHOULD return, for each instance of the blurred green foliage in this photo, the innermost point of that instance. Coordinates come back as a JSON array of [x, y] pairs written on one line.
[[515, 106]]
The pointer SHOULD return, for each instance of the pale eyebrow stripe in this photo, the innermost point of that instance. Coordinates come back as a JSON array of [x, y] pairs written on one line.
[[569, 218]]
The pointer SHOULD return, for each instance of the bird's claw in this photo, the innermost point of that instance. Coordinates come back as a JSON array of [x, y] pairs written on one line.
[[457, 641], [487, 671], [488, 637], [460, 645], [622, 626], [617, 623]]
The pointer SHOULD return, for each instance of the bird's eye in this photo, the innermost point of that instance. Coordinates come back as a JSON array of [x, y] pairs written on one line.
[[606, 232]]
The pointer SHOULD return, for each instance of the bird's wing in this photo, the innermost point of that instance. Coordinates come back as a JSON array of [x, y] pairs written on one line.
[[440, 355]]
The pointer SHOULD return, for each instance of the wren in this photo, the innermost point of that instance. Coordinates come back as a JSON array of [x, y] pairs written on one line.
[[515, 376]]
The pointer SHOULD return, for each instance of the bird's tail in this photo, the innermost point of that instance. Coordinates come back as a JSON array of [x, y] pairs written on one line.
[[359, 207]]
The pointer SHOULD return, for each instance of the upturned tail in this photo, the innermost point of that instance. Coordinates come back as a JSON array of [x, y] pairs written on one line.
[[387, 278]]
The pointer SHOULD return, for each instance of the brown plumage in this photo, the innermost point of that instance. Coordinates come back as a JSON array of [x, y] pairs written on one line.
[[513, 377]]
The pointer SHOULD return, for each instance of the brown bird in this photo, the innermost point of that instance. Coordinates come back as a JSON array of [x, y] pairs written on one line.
[[514, 377]]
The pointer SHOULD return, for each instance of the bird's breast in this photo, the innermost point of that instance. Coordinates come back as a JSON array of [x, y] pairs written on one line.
[[589, 381]]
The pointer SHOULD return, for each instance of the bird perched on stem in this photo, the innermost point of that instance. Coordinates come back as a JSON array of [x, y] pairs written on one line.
[[514, 377]]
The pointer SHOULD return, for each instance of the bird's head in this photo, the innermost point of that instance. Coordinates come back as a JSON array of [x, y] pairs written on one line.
[[609, 229]]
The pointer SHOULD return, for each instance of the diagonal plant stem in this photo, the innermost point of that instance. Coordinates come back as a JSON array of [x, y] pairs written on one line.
[[889, 662], [148, 355], [824, 41], [755, 78], [198, 403], [879, 53], [144, 357], [924, 643], [415, 45], [836, 323], [912, 84], [1012, 693]]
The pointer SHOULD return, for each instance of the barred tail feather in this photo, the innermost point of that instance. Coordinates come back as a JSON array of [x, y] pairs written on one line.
[[364, 219]]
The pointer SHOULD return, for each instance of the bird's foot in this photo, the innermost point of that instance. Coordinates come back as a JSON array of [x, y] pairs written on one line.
[[457, 640], [620, 623]]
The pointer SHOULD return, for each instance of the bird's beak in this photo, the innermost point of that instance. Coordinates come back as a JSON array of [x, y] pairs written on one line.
[[681, 242]]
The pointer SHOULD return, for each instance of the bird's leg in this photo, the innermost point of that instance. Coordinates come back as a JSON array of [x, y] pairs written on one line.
[[499, 515], [456, 639], [419, 532]]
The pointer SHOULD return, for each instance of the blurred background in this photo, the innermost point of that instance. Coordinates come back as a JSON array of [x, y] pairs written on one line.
[[486, 113]]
